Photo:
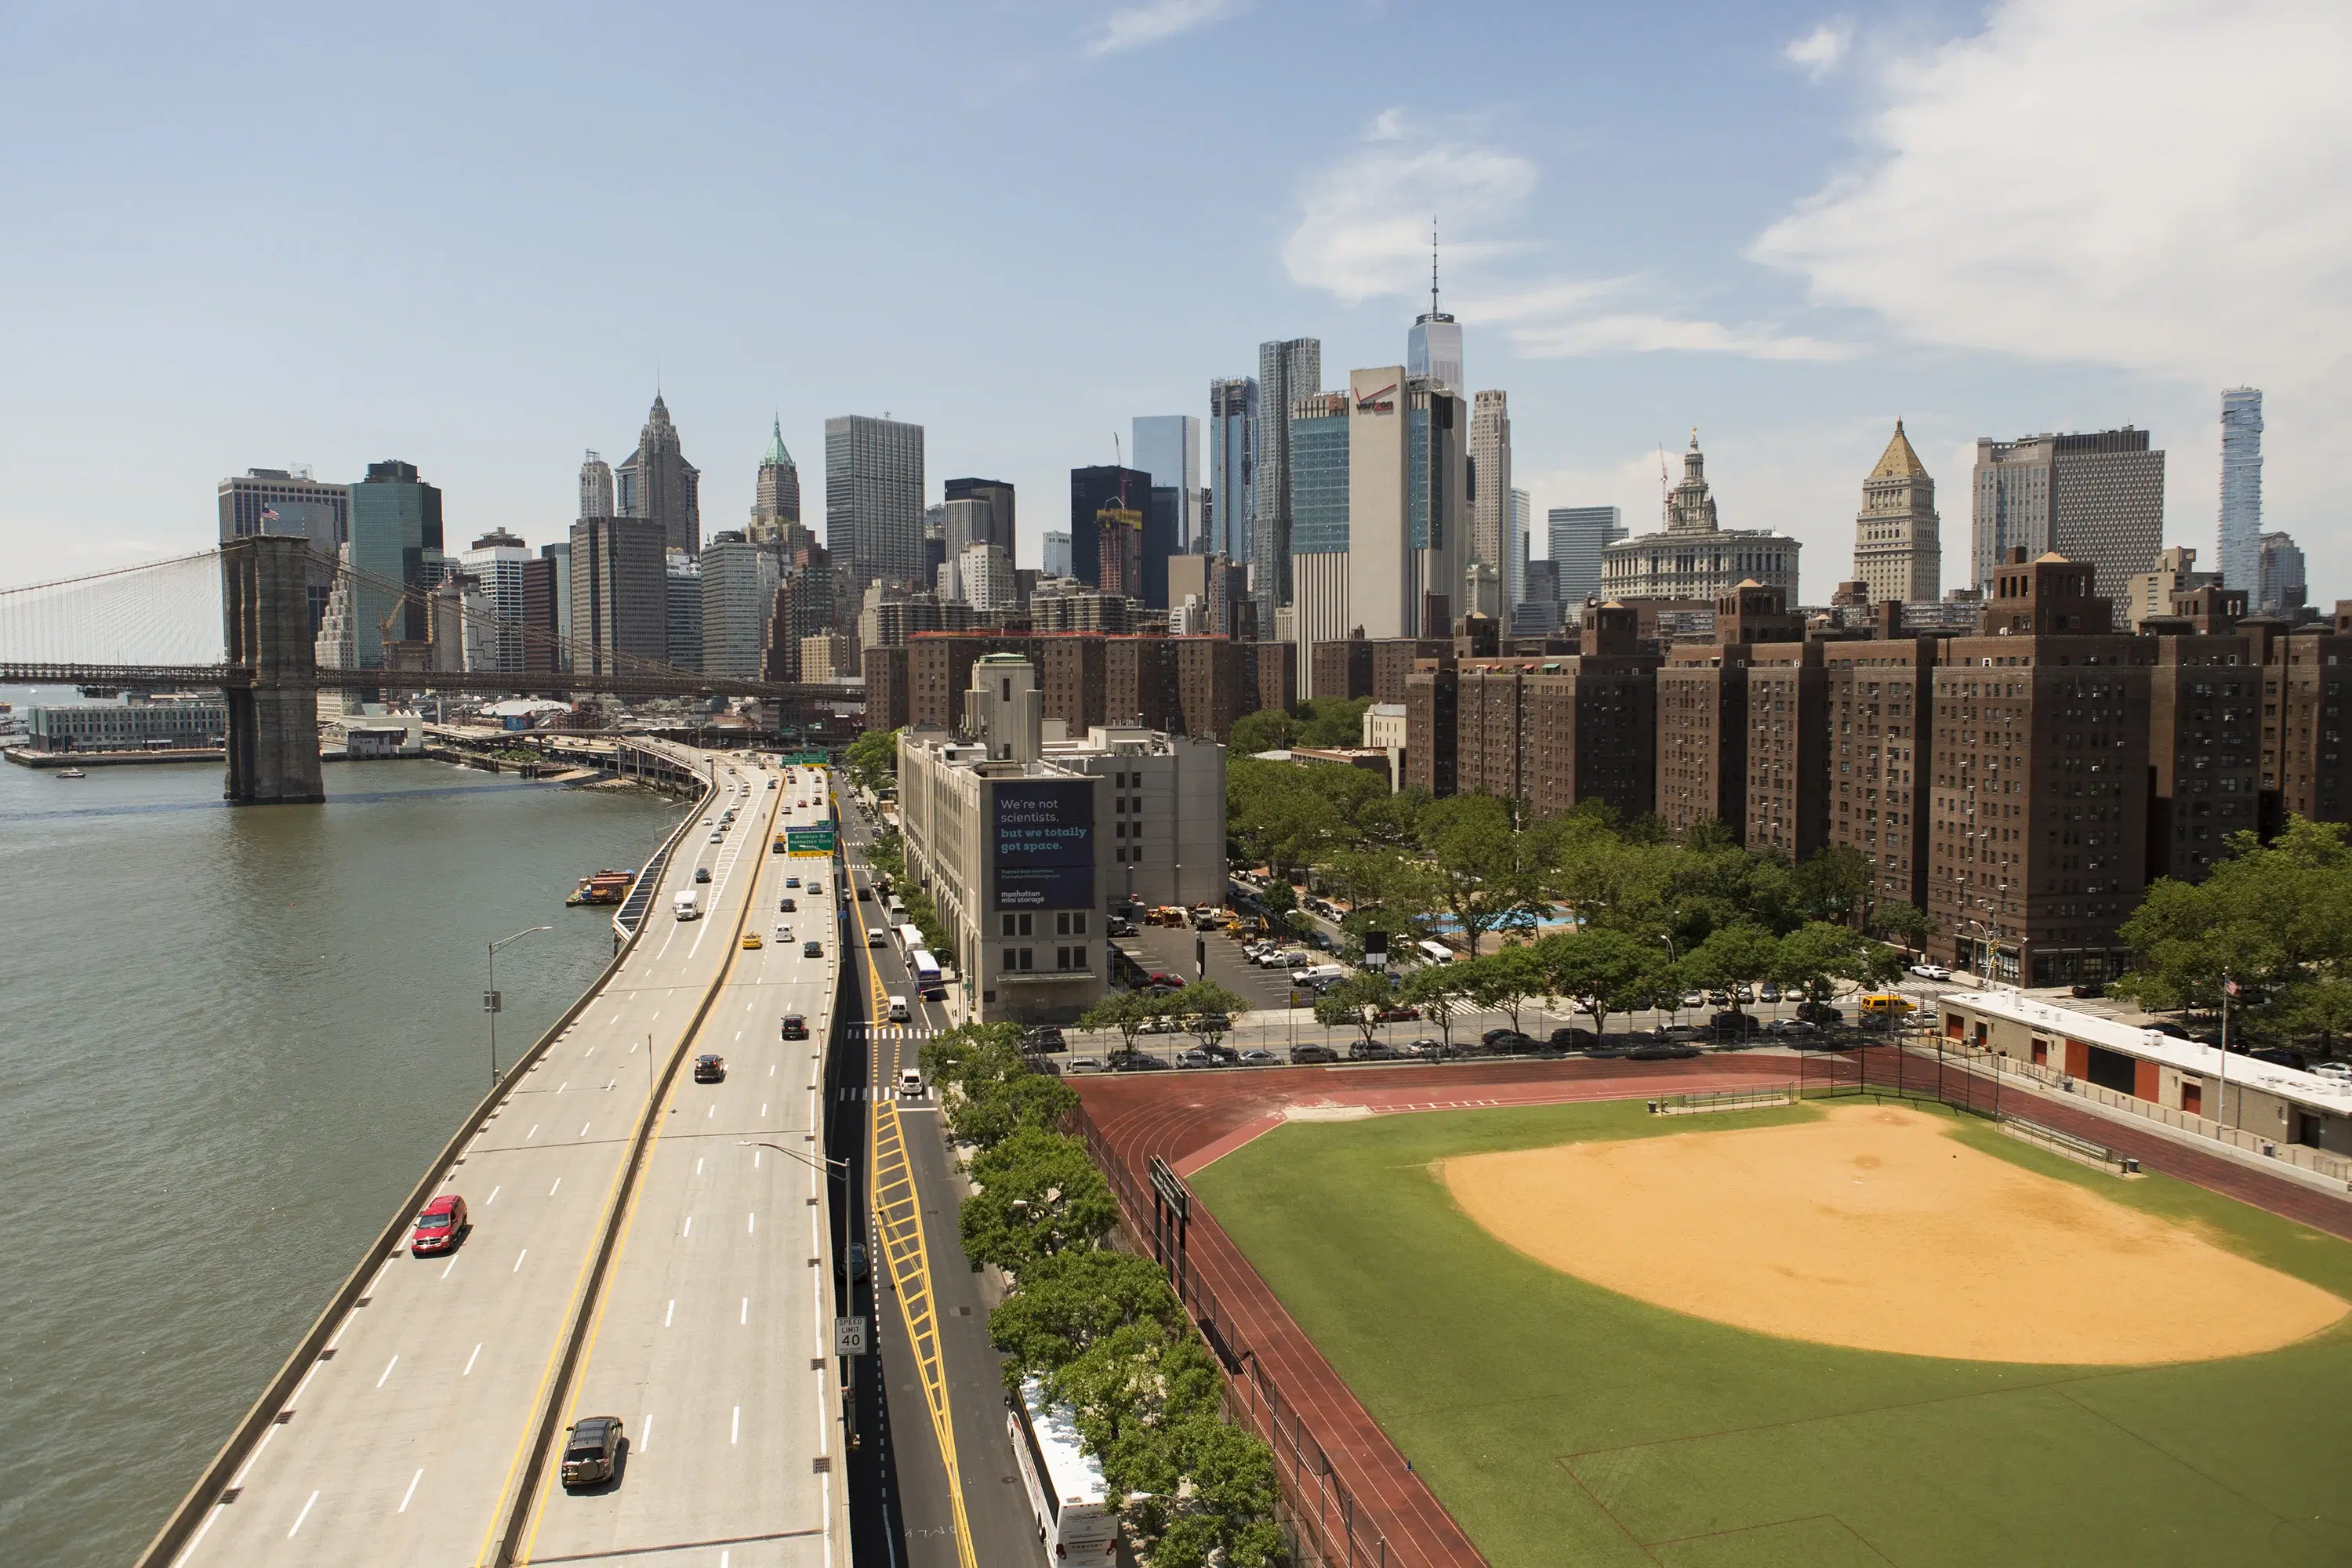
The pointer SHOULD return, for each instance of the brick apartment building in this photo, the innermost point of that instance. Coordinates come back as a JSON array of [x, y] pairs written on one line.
[[1554, 730], [1877, 700], [1194, 686], [1702, 732]]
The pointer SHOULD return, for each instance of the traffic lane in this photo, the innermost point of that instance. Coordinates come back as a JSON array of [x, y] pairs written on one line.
[[359, 1437], [698, 1307]]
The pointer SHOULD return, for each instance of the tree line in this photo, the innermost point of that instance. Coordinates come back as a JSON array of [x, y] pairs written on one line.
[[1100, 1328]]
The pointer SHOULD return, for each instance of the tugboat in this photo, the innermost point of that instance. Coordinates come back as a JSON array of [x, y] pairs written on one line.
[[605, 887]]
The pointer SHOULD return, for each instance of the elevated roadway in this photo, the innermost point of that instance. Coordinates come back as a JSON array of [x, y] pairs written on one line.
[[688, 1287]]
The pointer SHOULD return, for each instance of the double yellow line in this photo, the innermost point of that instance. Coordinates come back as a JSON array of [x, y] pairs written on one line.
[[898, 1224]]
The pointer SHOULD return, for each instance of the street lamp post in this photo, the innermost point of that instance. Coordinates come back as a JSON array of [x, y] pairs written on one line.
[[492, 1003]]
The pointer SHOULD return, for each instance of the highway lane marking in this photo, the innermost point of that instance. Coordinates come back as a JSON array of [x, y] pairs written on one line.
[[410, 1492], [690, 1226], [533, 1133], [584, 1128], [668, 1311], [469, 1362], [697, 1167], [517, 1262], [734, 1430], [494, 1195], [750, 1223], [445, 1273], [763, 1110], [745, 1315], [387, 1371], [558, 1181], [712, 1112], [301, 1517], [771, 1070]]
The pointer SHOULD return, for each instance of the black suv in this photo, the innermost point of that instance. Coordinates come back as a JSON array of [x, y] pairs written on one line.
[[593, 1451], [709, 1070], [1046, 1038], [1820, 1013], [796, 1027]]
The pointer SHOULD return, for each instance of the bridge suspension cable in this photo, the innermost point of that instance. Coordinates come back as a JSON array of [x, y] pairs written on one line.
[[155, 614]]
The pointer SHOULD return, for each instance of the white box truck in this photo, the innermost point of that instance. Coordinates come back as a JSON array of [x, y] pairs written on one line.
[[685, 906]]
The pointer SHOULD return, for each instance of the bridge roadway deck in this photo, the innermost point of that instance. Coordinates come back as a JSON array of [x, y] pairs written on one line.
[[403, 1443]]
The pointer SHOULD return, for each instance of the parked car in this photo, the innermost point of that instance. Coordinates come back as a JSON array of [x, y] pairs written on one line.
[[1509, 1042], [1139, 1062], [1370, 1051], [709, 1069], [1303, 1055], [1793, 1027], [1208, 1023], [1166, 980], [1258, 1058], [795, 1028], [1768, 991], [1196, 1058], [1491, 1035], [1161, 1023], [2088, 988], [1120, 926], [1927, 971], [592, 1450], [1317, 974], [1573, 1038], [1733, 1022], [1397, 1013], [1046, 1038], [1820, 1013], [1663, 1050], [2334, 1072], [1426, 1047], [439, 1226], [1695, 999], [1076, 1065]]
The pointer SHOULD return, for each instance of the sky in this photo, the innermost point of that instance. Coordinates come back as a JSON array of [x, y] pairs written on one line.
[[477, 238]]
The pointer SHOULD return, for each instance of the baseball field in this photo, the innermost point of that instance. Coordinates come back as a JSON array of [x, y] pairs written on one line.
[[1821, 1335]]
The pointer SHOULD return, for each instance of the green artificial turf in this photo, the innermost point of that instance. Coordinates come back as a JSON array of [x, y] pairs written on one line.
[[1562, 1423]]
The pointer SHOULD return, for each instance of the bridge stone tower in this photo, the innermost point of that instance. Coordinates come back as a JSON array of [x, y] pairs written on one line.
[[273, 713]]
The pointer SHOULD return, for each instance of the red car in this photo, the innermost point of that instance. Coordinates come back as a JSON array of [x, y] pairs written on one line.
[[1162, 977], [438, 1227], [1397, 1015]]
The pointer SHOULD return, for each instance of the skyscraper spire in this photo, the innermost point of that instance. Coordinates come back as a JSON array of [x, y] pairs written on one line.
[[1433, 265]]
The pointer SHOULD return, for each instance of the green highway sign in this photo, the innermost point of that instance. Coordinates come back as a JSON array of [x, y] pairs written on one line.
[[809, 840]]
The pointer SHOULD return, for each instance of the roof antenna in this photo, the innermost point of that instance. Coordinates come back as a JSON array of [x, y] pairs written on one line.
[[1432, 263]]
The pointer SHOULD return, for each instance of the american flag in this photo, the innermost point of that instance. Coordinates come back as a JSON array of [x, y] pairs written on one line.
[[2230, 987], [270, 514]]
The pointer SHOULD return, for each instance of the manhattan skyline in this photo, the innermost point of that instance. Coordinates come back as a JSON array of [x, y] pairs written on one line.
[[439, 273]]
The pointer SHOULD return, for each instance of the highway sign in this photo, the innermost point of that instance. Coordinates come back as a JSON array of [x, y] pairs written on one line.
[[850, 1336]]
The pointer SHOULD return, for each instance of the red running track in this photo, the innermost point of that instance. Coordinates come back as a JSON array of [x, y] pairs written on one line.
[[1179, 1118]]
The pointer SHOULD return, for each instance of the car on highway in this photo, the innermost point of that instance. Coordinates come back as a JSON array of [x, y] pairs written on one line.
[[864, 895], [1083, 1064], [1255, 1057], [877, 938], [1303, 1055], [787, 905], [792, 881], [439, 1227], [709, 1069], [1926, 971], [592, 1450], [702, 873], [784, 932], [771, 784], [795, 1028], [752, 940], [815, 890], [812, 949]]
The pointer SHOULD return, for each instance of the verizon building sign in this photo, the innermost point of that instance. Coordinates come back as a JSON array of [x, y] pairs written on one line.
[[1041, 835]]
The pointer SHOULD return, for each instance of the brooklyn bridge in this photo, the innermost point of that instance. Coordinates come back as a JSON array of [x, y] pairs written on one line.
[[239, 619]]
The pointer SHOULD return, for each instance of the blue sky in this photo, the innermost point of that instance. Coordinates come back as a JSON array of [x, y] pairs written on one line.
[[468, 237]]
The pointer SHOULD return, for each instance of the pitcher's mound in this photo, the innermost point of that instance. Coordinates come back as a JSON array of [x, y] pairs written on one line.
[[1871, 1227]]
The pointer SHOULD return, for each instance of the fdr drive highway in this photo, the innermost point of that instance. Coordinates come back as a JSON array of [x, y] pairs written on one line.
[[640, 1244]]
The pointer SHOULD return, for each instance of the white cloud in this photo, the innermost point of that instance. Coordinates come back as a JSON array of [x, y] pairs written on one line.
[[1822, 50], [1365, 229], [1140, 27], [2162, 186], [1364, 234]]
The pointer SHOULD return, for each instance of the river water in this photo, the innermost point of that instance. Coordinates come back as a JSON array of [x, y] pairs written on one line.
[[230, 1040]]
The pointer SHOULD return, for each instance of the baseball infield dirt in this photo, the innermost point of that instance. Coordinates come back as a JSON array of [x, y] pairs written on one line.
[[1873, 1227]]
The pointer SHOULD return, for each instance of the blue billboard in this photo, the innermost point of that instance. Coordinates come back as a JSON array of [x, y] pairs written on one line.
[[1041, 835]]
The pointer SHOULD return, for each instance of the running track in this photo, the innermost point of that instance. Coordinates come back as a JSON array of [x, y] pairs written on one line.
[[1190, 1118]]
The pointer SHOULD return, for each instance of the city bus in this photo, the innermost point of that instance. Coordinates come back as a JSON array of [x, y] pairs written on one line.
[[911, 939], [928, 985], [1433, 951], [1075, 1517]]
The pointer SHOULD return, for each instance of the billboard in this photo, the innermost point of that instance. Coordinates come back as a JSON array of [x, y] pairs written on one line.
[[1040, 837]]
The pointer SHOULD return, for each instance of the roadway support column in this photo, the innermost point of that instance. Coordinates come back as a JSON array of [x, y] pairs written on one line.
[[273, 715]]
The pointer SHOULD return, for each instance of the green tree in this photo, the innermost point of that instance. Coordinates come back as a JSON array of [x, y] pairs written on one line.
[[1489, 870], [1904, 924], [1440, 993], [1732, 957], [1602, 971], [1332, 722], [973, 1054], [1507, 980], [1025, 1102], [1835, 885], [871, 760], [1040, 1195], [1819, 953], [1352, 1005], [1209, 1010], [1267, 730], [1125, 1011], [1074, 1301]]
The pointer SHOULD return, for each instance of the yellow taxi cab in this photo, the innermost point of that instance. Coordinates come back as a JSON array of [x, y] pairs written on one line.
[[751, 939]]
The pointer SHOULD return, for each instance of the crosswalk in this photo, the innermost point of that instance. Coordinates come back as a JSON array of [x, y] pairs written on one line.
[[890, 1031], [878, 1092]]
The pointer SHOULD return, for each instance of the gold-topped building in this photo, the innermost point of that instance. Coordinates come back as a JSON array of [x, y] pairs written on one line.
[[1898, 551]]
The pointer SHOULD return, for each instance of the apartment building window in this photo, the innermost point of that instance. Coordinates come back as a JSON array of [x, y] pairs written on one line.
[[1017, 925]]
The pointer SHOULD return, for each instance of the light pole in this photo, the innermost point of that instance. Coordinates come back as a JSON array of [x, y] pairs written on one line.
[[492, 1003]]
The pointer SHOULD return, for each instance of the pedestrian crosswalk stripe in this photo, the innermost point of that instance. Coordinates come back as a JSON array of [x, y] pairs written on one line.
[[864, 1091], [892, 1031]]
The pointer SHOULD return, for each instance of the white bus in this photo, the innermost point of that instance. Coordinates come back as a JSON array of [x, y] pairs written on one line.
[[1433, 951], [928, 984], [1075, 1518], [911, 939]]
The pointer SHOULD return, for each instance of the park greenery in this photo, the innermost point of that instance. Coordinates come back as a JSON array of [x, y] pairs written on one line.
[[2274, 919], [1100, 1328], [871, 760], [1319, 722], [1204, 1009]]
